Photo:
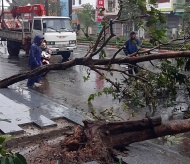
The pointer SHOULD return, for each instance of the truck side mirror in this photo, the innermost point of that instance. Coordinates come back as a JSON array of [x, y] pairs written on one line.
[[44, 25]]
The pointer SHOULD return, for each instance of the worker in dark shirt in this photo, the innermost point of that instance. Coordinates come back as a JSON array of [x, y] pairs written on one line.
[[130, 47]]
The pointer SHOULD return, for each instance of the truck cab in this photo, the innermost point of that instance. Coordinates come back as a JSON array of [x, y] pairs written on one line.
[[19, 26], [58, 33]]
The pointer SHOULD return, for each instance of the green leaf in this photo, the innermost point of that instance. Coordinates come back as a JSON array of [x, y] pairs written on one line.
[[3, 151], [133, 114], [10, 160], [5, 160], [103, 24], [152, 1], [21, 158], [85, 78], [4, 138], [99, 94], [2, 159], [16, 160], [91, 97], [120, 161]]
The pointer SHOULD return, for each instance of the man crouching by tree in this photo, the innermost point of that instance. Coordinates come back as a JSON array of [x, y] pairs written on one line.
[[35, 59], [130, 47]]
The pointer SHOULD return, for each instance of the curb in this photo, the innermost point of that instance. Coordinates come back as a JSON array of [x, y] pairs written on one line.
[[21, 141]]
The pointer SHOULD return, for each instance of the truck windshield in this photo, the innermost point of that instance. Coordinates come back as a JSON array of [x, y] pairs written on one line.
[[57, 24]]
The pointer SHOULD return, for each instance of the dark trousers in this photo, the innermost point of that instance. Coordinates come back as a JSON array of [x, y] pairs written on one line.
[[33, 79], [132, 68]]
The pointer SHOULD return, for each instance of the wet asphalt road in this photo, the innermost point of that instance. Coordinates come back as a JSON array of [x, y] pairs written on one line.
[[68, 88]]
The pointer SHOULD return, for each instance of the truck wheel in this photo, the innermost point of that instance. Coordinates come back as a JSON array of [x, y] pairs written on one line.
[[65, 55], [13, 48]]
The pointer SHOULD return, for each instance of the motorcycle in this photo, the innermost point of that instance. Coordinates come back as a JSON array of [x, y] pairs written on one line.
[[45, 57]]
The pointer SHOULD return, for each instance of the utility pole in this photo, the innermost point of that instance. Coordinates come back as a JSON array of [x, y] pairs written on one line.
[[70, 8], [47, 7], [2, 6], [2, 25]]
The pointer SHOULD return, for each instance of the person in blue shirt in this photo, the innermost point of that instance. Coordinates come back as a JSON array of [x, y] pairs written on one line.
[[35, 59], [130, 47]]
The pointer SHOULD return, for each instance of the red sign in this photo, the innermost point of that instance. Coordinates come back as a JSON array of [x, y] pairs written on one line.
[[99, 15]]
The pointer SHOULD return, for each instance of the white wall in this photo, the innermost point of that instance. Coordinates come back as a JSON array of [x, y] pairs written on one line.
[[115, 10], [92, 2]]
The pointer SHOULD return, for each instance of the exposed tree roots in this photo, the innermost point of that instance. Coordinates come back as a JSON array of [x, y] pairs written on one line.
[[98, 139]]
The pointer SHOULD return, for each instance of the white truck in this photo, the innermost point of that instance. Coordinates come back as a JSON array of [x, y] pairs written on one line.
[[19, 27]]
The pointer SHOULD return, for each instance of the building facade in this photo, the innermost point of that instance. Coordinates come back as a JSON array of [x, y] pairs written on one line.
[[172, 8], [174, 11], [77, 6]]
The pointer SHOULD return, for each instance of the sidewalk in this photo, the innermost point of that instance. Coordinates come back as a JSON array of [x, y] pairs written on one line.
[[25, 106]]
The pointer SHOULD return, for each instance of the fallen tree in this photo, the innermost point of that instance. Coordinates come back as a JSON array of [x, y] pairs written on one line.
[[89, 62], [98, 139]]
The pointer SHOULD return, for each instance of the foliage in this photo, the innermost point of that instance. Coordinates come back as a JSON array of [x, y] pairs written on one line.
[[186, 18], [171, 140], [155, 21], [131, 10], [162, 84], [9, 157], [86, 16]]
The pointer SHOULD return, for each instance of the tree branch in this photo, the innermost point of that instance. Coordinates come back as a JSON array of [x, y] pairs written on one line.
[[89, 62], [106, 42], [99, 38], [141, 58], [124, 20], [158, 46], [117, 70], [114, 56]]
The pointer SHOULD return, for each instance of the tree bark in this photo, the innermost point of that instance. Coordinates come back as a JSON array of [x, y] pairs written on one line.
[[118, 134], [97, 139], [85, 61]]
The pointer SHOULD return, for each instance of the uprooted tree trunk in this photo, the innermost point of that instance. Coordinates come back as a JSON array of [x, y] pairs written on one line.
[[89, 62], [97, 139]]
